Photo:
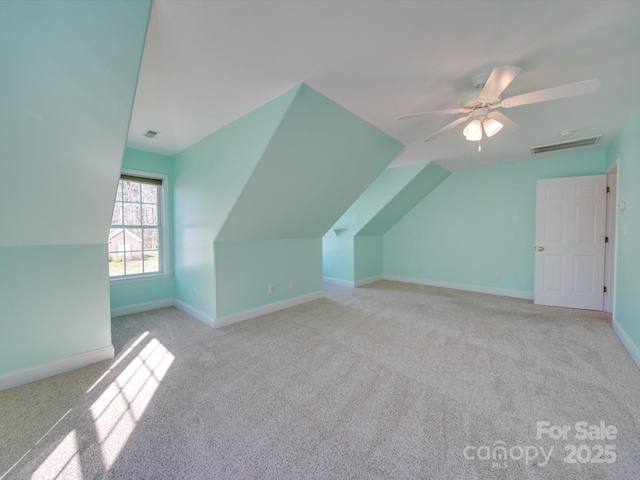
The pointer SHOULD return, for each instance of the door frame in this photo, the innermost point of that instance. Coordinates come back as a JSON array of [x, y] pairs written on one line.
[[611, 230]]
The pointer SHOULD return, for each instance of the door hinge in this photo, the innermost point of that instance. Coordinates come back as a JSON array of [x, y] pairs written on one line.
[[606, 239], [605, 289], [608, 189]]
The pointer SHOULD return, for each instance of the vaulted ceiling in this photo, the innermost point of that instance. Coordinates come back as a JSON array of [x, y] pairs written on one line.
[[208, 63]]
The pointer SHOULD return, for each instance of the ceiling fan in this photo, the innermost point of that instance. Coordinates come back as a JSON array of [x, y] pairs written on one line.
[[481, 107]]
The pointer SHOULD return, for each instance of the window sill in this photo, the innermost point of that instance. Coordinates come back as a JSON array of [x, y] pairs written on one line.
[[139, 278]]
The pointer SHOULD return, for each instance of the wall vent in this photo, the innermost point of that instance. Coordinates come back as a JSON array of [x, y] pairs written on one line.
[[582, 142], [151, 133]]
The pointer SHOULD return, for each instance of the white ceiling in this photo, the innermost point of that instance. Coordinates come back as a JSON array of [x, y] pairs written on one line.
[[207, 63]]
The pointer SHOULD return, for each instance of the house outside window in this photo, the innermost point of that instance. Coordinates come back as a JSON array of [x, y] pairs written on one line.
[[137, 243]]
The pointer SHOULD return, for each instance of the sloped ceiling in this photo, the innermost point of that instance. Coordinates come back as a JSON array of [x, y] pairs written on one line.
[[320, 159], [389, 198], [375, 198], [209, 63], [68, 77], [418, 188], [210, 176]]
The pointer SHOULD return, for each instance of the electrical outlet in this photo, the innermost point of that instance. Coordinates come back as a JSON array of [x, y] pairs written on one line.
[[498, 276], [331, 268], [195, 293], [419, 268], [292, 284], [272, 289]]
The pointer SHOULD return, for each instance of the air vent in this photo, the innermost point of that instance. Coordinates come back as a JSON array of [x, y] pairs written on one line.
[[151, 133], [582, 142]]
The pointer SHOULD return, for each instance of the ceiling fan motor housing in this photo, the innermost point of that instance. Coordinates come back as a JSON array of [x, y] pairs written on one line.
[[474, 101], [480, 80], [480, 113]]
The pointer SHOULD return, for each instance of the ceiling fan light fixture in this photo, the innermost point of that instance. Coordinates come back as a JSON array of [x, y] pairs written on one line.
[[473, 131], [491, 127], [481, 105]]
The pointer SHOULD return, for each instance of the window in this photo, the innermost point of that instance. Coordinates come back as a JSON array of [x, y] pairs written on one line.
[[136, 243]]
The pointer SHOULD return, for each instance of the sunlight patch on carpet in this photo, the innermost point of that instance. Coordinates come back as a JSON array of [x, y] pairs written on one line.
[[63, 462], [115, 364], [117, 411]]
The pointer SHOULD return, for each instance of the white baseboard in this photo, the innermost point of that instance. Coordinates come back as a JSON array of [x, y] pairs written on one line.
[[346, 283], [272, 307], [141, 307], [626, 341], [56, 367], [462, 286], [336, 281], [195, 313], [367, 281]]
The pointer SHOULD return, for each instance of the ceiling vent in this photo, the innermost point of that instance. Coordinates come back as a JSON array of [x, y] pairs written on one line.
[[151, 133], [582, 142]]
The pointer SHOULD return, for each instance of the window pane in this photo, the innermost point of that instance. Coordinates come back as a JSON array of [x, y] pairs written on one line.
[[149, 193], [116, 249], [130, 191], [115, 239], [116, 268], [149, 215], [132, 214], [150, 239], [116, 219], [150, 260], [119, 192], [134, 237], [134, 262]]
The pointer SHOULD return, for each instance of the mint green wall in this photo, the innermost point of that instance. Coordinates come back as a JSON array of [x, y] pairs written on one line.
[[378, 194], [480, 222], [417, 188], [385, 201], [69, 73], [367, 252], [252, 200], [339, 251], [208, 178], [338, 256], [245, 269], [320, 159], [144, 291], [147, 162], [626, 148], [139, 292], [51, 303], [353, 258]]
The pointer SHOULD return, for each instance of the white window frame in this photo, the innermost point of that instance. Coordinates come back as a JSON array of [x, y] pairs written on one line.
[[163, 204]]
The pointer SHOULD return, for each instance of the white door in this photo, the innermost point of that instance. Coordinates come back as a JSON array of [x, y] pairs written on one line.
[[570, 235]]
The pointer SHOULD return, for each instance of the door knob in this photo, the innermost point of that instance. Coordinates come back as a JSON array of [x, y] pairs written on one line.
[[540, 249]]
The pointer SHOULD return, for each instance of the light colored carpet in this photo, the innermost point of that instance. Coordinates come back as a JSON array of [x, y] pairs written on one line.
[[387, 381]]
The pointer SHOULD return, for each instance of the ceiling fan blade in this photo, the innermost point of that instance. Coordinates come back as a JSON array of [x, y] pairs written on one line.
[[504, 120], [571, 90], [446, 128], [453, 111], [498, 81]]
